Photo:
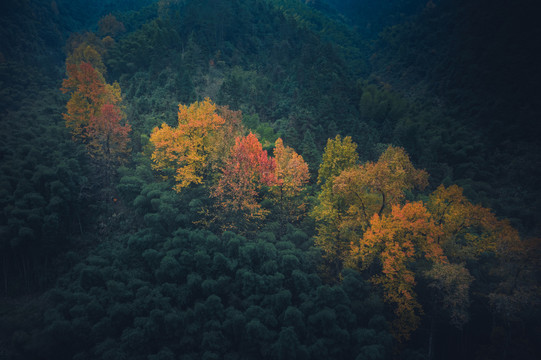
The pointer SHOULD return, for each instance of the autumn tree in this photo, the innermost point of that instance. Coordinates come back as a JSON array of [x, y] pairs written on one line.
[[397, 240], [329, 211], [361, 217], [94, 115], [339, 154], [87, 88], [185, 149], [467, 229], [352, 194], [441, 237], [247, 171], [89, 92], [291, 173], [223, 138], [375, 186], [108, 139]]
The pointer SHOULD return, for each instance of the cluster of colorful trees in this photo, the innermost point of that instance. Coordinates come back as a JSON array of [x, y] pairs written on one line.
[[209, 144], [368, 216]]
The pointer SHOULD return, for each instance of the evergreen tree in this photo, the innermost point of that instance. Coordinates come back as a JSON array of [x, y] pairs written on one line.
[[310, 153]]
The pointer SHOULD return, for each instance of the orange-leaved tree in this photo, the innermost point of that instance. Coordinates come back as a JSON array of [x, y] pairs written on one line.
[[374, 187], [470, 230], [185, 149], [292, 175], [439, 238], [89, 92], [398, 239], [472, 234], [247, 171], [94, 115], [223, 139]]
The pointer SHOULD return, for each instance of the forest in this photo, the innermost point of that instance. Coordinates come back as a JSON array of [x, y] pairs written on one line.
[[270, 179]]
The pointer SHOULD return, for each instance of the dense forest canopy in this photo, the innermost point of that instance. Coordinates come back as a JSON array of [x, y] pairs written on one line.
[[269, 179]]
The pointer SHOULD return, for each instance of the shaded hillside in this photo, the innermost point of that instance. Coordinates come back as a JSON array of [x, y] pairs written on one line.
[[370, 17]]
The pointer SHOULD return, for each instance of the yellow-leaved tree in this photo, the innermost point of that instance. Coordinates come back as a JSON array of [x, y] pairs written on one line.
[[329, 211], [467, 229], [374, 187], [185, 149]]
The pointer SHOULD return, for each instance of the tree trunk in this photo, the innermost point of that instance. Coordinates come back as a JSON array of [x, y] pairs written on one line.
[[79, 220], [5, 271], [431, 339], [382, 203], [24, 272]]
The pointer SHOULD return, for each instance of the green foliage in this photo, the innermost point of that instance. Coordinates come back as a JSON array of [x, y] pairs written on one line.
[[43, 177], [149, 46], [232, 61], [222, 296], [310, 153], [241, 87], [331, 27]]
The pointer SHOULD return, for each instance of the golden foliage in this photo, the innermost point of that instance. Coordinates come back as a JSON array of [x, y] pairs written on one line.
[[397, 240], [186, 148], [339, 154], [291, 170], [467, 229]]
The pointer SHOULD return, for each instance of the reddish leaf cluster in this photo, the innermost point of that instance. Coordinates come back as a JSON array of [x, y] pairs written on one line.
[[108, 136], [248, 169]]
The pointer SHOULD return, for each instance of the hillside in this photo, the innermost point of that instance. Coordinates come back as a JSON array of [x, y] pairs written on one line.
[[268, 179]]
